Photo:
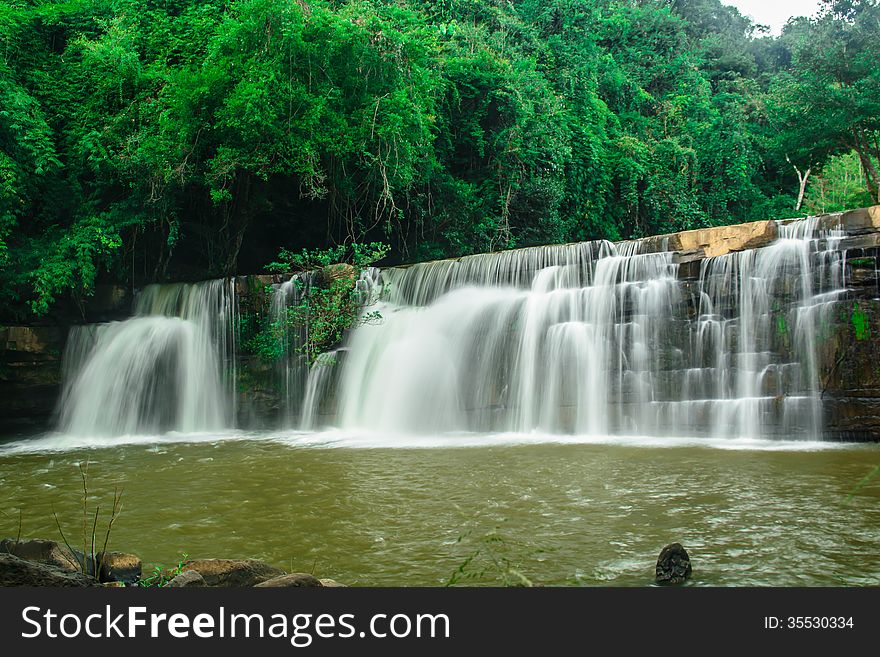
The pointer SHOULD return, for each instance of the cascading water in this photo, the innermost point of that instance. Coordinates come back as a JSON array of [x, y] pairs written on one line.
[[168, 368], [293, 367], [597, 339], [589, 339], [759, 360], [551, 357], [319, 380]]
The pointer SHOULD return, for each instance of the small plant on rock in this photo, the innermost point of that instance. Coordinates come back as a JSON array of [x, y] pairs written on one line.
[[161, 576], [330, 301]]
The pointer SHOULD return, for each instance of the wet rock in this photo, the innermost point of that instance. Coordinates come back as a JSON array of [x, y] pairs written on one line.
[[20, 572], [119, 567], [330, 583], [30, 376], [286, 581], [42, 551], [341, 271], [720, 240], [673, 565], [859, 220], [187, 579], [233, 572]]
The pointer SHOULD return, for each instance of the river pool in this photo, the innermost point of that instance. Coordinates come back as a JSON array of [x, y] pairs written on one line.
[[376, 511]]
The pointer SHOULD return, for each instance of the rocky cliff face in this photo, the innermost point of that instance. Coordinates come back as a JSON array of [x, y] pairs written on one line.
[[31, 359], [848, 349], [30, 374]]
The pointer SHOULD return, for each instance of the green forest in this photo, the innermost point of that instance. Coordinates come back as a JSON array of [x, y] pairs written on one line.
[[153, 140]]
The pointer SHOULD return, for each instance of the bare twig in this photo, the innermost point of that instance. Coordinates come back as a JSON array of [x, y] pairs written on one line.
[[864, 482], [117, 508], [84, 474], [63, 537], [95, 572], [18, 536]]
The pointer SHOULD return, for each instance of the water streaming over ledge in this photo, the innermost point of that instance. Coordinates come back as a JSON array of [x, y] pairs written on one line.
[[587, 339], [599, 339], [170, 367]]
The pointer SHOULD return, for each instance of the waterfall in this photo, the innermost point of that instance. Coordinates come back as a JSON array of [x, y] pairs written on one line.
[[598, 339], [170, 367], [589, 339], [319, 380], [551, 356], [761, 360], [292, 366]]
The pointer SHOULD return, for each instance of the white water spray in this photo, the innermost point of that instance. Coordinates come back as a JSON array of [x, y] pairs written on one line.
[[596, 339], [168, 368], [592, 339]]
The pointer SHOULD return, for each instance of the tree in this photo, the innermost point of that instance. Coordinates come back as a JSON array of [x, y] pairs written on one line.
[[828, 101], [148, 140]]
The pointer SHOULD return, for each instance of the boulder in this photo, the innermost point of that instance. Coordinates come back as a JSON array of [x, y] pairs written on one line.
[[859, 220], [232, 572], [330, 583], [119, 567], [187, 579], [673, 565], [42, 551], [15, 571], [725, 239], [337, 272], [286, 581]]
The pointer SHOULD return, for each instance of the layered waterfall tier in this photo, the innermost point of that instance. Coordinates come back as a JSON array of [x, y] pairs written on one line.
[[168, 368], [598, 339]]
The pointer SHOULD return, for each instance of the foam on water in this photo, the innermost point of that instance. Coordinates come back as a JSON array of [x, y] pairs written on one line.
[[338, 439]]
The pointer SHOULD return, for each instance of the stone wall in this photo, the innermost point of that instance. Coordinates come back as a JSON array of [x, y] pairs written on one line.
[[849, 366]]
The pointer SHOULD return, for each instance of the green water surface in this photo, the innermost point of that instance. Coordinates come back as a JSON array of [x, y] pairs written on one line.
[[556, 514]]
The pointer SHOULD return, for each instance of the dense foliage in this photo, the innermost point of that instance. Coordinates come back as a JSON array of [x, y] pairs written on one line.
[[328, 301], [142, 140]]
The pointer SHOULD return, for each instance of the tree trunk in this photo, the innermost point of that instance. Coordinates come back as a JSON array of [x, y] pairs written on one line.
[[802, 179], [238, 218], [872, 178], [802, 183], [871, 181], [232, 259]]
